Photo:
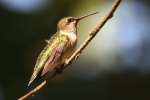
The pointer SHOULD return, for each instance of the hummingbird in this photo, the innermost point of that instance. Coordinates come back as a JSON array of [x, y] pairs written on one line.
[[59, 47]]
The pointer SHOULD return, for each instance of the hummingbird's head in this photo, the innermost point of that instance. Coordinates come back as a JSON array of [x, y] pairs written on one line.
[[69, 24]]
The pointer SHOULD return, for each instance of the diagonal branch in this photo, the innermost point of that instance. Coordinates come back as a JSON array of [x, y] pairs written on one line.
[[77, 53]]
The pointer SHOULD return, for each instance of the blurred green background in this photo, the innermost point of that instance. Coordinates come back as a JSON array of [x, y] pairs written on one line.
[[115, 66]]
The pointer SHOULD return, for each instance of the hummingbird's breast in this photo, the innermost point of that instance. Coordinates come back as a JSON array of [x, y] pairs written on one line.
[[70, 48], [72, 37]]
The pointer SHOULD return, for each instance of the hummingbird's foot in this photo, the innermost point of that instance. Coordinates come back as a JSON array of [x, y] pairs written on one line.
[[59, 69]]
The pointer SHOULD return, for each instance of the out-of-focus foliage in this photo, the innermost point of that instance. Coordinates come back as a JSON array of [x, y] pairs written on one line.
[[115, 66]]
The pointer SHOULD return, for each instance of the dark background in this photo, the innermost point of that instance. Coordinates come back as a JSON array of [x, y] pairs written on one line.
[[115, 66]]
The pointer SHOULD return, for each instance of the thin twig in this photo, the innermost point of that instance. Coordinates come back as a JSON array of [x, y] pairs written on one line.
[[77, 53], [37, 88]]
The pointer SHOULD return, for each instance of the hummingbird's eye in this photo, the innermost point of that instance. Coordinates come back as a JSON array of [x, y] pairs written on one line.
[[70, 20]]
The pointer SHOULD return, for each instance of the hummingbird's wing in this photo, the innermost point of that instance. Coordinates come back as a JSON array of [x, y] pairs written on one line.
[[54, 58], [47, 59]]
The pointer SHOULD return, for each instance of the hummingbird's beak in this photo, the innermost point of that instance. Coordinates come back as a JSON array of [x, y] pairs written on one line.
[[82, 17]]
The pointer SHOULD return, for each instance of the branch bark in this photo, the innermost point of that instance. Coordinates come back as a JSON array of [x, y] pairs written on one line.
[[77, 53]]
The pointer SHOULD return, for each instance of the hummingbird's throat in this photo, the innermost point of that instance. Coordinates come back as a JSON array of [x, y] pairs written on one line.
[[71, 35]]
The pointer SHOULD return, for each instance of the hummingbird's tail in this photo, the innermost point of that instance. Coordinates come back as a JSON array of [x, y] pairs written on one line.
[[34, 75]]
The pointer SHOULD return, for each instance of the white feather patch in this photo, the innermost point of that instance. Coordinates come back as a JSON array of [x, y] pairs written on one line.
[[72, 36]]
